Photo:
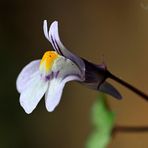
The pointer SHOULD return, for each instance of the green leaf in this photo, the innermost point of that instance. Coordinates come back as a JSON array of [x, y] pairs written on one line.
[[103, 122]]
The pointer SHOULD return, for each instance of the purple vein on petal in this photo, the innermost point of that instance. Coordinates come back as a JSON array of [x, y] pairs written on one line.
[[47, 78], [58, 48], [54, 44], [50, 76], [56, 74]]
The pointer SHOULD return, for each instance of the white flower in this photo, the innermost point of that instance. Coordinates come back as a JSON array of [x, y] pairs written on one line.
[[50, 74]]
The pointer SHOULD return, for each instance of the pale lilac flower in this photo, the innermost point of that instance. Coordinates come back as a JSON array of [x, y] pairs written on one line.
[[49, 75]]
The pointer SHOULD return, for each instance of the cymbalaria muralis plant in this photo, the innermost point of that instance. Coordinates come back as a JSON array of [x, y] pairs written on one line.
[[50, 74]]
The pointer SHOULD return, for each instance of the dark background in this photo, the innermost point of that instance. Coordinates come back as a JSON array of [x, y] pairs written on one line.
[[92, 28]]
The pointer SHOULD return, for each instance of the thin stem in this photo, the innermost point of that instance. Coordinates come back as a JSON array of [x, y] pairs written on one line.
[[129, 86], [135, 129]]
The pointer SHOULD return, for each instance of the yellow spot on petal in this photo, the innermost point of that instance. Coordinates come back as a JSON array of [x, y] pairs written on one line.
[[47, 60]]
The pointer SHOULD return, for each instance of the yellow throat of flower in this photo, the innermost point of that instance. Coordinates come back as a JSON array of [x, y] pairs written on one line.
[[47, 60]]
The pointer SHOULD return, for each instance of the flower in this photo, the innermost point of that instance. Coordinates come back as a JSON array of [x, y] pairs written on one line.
[[50, 74]]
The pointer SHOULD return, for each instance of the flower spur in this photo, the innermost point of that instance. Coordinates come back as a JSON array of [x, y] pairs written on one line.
[[50, 74]]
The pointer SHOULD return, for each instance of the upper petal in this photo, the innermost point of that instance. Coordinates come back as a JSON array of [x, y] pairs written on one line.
[[32, 94], [26, 74], [53, 37]]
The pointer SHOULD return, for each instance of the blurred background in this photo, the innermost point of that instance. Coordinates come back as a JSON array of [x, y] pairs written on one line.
[[92, 28]]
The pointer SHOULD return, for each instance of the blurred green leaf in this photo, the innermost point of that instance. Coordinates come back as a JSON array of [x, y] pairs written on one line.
[[103, 122]]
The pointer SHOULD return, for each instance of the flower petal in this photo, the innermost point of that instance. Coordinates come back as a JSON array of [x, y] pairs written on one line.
[[32, 94], [45, 29], [26, 74], [64, 70], [66, 67], [53, 37], [54, 93]]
